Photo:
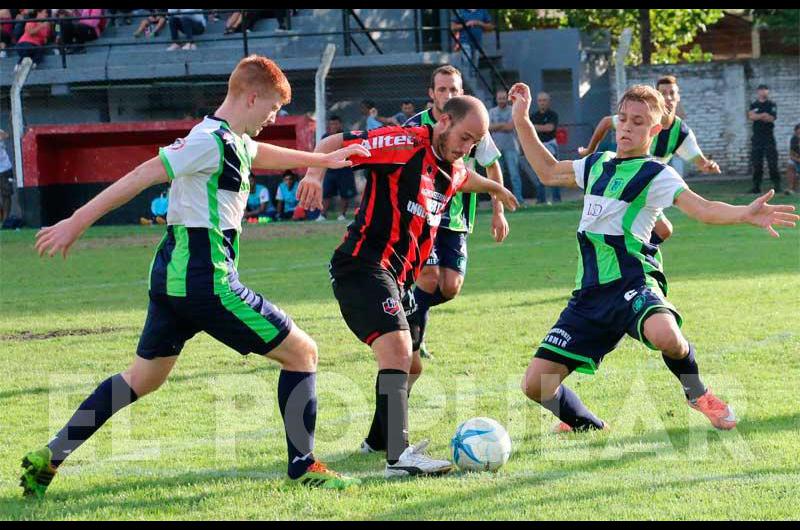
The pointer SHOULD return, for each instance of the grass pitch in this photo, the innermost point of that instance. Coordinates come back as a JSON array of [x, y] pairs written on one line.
[[210, 444]]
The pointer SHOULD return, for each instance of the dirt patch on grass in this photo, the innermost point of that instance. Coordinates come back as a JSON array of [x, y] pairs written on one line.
[[30, 335]]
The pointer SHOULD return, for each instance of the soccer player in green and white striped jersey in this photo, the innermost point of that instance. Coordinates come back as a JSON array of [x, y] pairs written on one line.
[[620, 285], [675, 138], [193, 283]]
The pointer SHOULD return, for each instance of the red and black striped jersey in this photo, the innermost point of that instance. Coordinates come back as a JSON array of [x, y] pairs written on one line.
[[408, 186]]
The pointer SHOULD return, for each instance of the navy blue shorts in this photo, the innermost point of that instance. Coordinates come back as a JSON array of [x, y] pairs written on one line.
[[449, 251], [241, 319], [341, 182], [597, 318]]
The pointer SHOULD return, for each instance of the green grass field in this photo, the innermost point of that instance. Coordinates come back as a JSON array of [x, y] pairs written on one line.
[[210, 444]]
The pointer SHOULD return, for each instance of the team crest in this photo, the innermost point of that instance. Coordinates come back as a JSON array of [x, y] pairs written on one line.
[[179, 143], [615, 185], [391, 306], [638, 303]]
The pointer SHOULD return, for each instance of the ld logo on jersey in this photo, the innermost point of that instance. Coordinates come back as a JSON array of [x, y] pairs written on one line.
[[391, 306], [594, 210]]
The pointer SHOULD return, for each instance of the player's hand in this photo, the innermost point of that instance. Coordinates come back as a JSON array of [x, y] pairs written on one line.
[[309, 190], [520, 96], [339, 158], [759, 213], [58, 238], [709, 166], [499, 227], [508, 199], [583, 151]]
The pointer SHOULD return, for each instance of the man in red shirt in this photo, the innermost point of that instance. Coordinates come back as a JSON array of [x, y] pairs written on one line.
[[413, 173]]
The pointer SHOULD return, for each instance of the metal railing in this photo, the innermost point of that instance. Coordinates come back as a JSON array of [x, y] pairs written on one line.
[[347, 33]]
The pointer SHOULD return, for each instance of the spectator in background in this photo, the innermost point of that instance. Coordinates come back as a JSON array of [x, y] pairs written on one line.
[[763, 113], [6, 31], [429, 104], [370, 113], [257, 200], [794, 162], [35, 36], [188, 23], [81, 31], [150, 25], [406, 117], [127, 20], [19, 23], [477, 21], [545, 121], [341, 182], [501, 126], [6, 178], [287, 195]]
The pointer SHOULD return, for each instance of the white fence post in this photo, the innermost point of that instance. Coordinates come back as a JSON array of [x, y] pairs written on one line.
[[319, 88]]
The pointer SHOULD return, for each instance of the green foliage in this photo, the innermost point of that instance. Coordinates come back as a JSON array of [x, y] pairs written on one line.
[[671, 29], [784, 21]]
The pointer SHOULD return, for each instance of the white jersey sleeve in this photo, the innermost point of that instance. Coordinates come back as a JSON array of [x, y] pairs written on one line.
[[196, 155], [486, 152], [579, 166], [279, 195], [665, 188], [689, 150], [264, 195]]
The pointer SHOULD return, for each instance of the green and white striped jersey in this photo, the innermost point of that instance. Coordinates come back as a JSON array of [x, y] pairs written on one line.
[[209, 173], [209, 176], [679, 140], [622, 200]]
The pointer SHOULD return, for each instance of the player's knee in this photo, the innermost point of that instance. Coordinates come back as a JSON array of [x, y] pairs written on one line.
[[534, 389], [308, 355], [451, 288], [141, 383], [672, 344]]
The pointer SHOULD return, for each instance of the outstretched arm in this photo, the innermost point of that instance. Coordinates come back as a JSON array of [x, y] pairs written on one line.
[[549, 170], [62, 235], [599, 133], [478, 184], [271, 156], [757, 213], [309, 191]]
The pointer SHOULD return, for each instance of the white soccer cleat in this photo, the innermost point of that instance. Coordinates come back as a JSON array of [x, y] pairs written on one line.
[[414, 462], [366, 449]]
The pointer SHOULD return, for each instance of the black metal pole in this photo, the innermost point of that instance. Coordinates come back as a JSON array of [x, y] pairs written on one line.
[[244, 33], [497, 29], [417, 31], [346, 30]]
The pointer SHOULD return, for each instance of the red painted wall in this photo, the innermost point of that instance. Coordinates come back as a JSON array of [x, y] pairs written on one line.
[[105, 152]]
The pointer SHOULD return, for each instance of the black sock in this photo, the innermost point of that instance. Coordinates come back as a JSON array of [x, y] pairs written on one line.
[[425, 301], [392, 409], [375, 437], [569, 408], [110, 396], [688, 373], [297, 399], [655, 239]]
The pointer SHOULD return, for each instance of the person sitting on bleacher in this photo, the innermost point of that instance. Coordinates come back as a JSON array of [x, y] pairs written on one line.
[[80, 31], [151, 24], [287, 195], [35, 36], [188, 23], [257, 201]]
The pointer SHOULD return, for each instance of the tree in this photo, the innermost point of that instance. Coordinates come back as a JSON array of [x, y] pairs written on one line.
[[674, 28], [783, 21]]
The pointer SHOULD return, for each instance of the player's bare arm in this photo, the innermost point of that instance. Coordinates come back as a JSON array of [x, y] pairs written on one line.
[[706, 165], [478, 184], [309, 190], [599, 133], [757, 213], [499, 226], [550, 171], [60, 236], [275, 157]]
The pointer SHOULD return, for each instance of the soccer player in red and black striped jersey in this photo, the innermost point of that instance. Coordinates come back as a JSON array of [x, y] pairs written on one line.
[[413, 173]]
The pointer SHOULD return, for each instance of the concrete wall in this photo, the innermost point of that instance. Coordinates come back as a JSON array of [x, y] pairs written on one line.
[[716, 97]]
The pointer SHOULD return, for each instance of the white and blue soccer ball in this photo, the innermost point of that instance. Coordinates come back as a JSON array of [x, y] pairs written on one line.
[[480, 444]]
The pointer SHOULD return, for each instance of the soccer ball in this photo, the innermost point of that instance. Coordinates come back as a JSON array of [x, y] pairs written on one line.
[[480, 444]]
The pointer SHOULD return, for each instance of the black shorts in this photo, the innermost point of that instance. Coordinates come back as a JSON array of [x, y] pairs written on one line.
[[596, 319], [341, 182], [243, 320], [449, 251], [370, 300]]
